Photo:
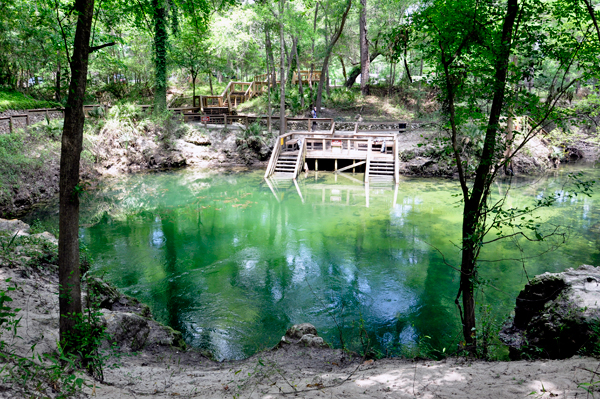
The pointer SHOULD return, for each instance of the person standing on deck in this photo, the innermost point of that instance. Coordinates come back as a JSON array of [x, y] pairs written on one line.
[[314, 115]]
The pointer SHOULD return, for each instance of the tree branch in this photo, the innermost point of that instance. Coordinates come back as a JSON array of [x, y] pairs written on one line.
[[96, 48]]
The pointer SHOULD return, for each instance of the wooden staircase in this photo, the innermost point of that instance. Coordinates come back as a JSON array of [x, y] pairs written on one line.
[[286, 164], [234, 94], [381, 168]]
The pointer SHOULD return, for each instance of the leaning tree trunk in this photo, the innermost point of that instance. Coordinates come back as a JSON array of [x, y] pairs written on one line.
[[364, 50], [69, 275], [356, 70], [160, 55], [328, 55]]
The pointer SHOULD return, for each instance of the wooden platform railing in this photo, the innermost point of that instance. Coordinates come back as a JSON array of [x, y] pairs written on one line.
[[305, 75]]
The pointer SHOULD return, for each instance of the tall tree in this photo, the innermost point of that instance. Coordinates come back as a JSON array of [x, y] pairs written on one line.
[[471, 53], [365, 62], [69, 275], [282, 122], [329, 48], [159, 8]]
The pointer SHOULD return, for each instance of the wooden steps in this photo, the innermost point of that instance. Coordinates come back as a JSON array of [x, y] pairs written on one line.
[[381, 168], [286, 164]]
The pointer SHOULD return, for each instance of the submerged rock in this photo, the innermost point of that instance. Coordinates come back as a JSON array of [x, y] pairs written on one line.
[[304, 334], [557, 315]]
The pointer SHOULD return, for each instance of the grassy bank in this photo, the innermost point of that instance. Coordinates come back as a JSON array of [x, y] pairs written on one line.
[[14, 100]]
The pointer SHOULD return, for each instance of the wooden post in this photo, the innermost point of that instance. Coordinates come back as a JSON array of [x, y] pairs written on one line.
[[10, 124], [269, 123], [316, 164], [27, 119], [225, 119], [47, 116], [335, 165], [353, 169], [368, 165]]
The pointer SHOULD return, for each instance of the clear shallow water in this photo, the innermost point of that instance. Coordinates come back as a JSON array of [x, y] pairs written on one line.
[[232, 264]]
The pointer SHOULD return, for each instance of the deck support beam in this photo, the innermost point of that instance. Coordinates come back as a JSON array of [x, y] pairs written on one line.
[[353, 166]]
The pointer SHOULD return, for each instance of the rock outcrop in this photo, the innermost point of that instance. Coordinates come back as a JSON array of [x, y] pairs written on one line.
[[304, 334], [557, 315]]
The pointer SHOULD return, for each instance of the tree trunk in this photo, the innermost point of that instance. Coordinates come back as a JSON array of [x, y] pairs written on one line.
[[364, 50], [312, 61], [160, 56], [472, 232], [282, 123], [291, 57], [343, 68], [328, 55], [57, 89], [269, 49], [69, 275], [406, 66], [355, 71], [194, 83], [300, 87], [212, 93], [392, 78]]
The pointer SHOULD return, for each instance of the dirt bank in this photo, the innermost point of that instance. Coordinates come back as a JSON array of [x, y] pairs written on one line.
[[117, 147], [161, 368]]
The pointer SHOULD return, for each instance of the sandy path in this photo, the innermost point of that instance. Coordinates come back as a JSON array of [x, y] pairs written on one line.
[[390, 378]]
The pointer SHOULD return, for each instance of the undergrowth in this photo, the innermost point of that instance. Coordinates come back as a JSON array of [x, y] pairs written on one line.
[[28, 373]]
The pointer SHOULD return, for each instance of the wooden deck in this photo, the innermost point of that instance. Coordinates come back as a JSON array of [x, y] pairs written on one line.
[[376, 151]]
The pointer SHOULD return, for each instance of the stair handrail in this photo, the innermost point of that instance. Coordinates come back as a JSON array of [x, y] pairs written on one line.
[[227, 90], [274, 156], [368, 165], [396, 161], [302, 148], [538, 125]]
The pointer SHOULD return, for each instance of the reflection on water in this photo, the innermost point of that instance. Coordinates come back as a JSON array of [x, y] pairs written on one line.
[[232, 260]]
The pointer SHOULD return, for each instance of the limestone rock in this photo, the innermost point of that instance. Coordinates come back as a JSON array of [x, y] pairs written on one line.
[[304, 334], [197, 138], [132, 332], [557, 315], [298, 330], [46, 237], [13, 226], [108, 297]]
